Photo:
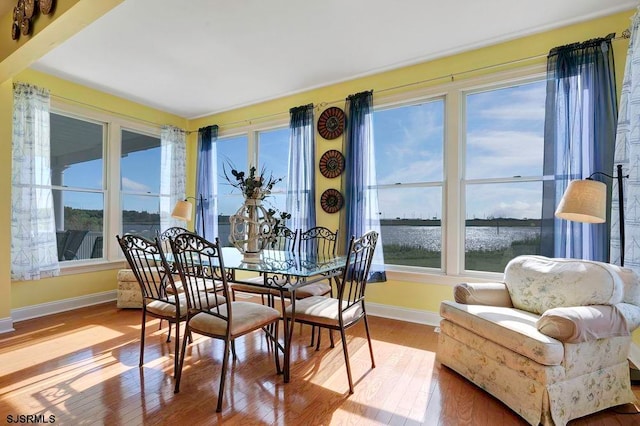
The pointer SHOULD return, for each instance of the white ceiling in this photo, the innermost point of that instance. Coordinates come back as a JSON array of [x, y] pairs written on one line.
[[197, 57]]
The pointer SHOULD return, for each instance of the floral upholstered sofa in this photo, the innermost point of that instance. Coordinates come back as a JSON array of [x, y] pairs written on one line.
[[551, 341]]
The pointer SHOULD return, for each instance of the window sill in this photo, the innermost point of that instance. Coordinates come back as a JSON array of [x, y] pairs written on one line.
[[419, 275], [84, 267]]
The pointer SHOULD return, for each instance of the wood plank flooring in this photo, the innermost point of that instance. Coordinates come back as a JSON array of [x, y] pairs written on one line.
[[82, 368]]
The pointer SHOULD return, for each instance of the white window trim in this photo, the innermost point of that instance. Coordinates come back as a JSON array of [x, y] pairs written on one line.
[[453, 186], [112, 225]]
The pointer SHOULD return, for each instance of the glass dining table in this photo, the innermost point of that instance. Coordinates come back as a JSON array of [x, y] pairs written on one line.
[[286, 272]]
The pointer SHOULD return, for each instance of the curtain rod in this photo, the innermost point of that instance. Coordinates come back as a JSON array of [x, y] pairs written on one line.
[[626, 34]]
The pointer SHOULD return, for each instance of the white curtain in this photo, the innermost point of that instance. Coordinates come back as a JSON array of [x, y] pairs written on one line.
[[628, 154], [34, 253], [173, 142]]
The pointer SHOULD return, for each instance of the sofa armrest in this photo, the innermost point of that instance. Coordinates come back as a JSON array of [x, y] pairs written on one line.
[[489, 294], [631, 313], [583, 323]]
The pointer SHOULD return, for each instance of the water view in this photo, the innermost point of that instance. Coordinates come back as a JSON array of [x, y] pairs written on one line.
[[477, 238]]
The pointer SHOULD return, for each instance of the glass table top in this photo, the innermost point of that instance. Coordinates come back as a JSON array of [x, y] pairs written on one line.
[[283, 262]]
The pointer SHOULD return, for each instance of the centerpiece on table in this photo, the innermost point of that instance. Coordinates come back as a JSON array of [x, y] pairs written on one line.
[[253, 227]]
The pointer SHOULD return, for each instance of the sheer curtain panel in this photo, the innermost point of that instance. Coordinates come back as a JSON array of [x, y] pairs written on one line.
[[207, 181], [580, 127], [361, 213], [301, 173], [627, 153], [172, 182], [34, 253]]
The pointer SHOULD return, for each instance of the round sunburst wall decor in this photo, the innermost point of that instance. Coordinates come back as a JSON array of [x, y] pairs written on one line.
[[25, 12], [331, 164], [331, 123], [331, 200]]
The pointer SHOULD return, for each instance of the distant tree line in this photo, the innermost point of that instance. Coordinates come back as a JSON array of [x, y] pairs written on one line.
[[93, 220]]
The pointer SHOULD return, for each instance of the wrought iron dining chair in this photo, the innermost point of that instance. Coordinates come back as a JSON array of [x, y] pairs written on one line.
[[160, 298], [348, 308], [285, 239], [323, 242], [166, 236], [196, 258], [172, 232]]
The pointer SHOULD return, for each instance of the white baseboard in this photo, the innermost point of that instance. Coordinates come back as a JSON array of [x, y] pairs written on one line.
[[6, 325], [35, 311], [403, 314], [49, 308]]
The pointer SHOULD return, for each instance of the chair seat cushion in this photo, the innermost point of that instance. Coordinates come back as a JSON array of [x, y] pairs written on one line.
[[203, 285], [253, 289], [323, 310], [321, 288], [246, 317], [166, 309], [512, 328]]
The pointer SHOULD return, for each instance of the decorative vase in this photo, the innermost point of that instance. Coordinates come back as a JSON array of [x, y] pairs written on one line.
[[252, 229]]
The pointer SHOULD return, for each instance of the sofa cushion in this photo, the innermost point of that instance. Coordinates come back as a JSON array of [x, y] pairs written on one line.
[[631, 284], [583, 323], [538, 283], [512, 328], [492, 294]]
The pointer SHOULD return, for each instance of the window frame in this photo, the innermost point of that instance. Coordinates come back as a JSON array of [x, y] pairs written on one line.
[[251, 131], [453, 210], [420, 184], [464, 182], [112, 144]]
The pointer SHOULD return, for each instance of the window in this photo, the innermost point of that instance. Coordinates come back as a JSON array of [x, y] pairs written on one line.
[[140, 183], [409, 143], [105, 176], [78, 185], [230, 152], [268, 150], [273, 157], [503, 174]]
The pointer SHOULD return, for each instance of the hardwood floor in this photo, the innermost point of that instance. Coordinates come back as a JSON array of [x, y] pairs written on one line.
[[82, 367]]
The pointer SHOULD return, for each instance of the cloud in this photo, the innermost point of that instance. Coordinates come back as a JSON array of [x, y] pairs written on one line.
[[131, 185], [521, 103], [504, 153]]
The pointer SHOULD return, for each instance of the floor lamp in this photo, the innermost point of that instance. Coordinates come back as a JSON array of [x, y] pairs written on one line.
[[184, 209], [586, 201]]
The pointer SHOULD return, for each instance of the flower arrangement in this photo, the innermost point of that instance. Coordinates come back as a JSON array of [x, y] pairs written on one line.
[[254, 186], [260, 232]]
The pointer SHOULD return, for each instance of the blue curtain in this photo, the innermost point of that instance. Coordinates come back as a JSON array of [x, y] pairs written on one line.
[[206, 182], [580, 130], [301, 174], [361, 213]]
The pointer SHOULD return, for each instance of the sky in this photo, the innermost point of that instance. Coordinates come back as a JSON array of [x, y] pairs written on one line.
[[503, 135], [504, 138]]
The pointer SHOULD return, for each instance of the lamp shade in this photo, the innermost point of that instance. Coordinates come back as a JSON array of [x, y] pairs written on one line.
[[584, 201], [182, 210]]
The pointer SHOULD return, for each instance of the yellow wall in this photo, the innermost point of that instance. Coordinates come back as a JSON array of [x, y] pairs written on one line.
[[410, 295], [76, 13], [47, 290]]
